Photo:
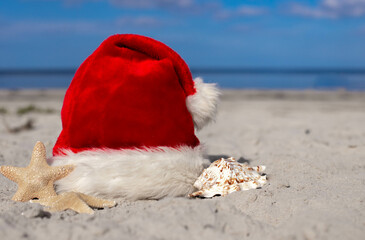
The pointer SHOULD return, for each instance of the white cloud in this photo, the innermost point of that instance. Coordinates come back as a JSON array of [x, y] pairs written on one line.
[[153, 3], [143, 21], [31, 27], [192, 7], [139, 4], [251, 11], [35, 27], [330, 9], [242, 11]]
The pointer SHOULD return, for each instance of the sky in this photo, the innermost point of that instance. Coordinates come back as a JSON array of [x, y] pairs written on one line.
[[206, 33]]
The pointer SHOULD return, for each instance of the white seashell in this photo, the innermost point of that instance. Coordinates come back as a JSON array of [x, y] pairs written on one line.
[[225, 176]]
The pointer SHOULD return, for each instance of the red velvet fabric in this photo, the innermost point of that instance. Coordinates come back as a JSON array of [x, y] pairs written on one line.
[[129, 93]]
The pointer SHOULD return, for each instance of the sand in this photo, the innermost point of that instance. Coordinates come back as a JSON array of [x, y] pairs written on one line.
[[313, 144]]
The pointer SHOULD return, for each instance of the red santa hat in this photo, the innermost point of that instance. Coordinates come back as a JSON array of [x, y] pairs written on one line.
[[128, 122]]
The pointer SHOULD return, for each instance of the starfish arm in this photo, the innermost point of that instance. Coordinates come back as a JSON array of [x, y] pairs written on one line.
[[69, 200], [22, 195], [81, 207], [12, 173], [55, 207], [61, 171], [96, 202], [39, 158]]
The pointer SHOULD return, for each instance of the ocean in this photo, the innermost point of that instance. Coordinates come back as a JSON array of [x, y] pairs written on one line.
[[231, 78]]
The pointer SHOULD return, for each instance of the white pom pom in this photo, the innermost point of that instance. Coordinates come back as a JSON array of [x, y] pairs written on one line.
[[203, 104]]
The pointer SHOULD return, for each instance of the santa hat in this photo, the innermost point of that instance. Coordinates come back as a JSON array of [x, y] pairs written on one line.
[[128, 122]]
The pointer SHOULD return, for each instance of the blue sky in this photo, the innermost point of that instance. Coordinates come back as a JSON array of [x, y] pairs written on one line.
[[206, 33]]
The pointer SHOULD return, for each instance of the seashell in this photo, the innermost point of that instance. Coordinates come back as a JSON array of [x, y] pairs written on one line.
[[225, 176]]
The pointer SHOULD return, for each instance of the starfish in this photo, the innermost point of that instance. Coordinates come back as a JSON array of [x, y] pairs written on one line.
[[78, 202], [36, 180]]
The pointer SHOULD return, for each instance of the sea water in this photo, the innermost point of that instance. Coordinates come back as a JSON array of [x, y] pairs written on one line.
[[257, 80]]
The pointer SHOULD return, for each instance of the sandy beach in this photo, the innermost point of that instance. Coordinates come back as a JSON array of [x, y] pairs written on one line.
[[312, 143]]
